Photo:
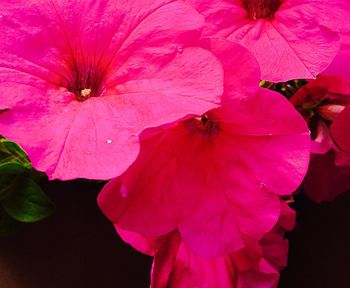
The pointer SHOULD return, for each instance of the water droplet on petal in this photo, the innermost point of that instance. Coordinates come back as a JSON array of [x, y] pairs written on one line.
[[88, 152], [262, 185], [180, 49], [109, 141]]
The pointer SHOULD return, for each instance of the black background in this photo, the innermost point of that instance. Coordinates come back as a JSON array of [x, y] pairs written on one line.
[[77, 246]]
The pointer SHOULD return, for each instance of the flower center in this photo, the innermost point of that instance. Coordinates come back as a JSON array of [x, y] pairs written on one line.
[[203, 124], [85, 80], [261, 8], [206, 123]]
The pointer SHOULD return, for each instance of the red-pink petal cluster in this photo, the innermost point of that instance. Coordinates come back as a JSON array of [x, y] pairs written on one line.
[[81, 79], [215, 177], [323, 103], [291, 39], [256, 265]]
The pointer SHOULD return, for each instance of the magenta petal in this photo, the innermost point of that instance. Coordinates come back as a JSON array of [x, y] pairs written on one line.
[[256, 123], [323, 142], [256, 265], [340, 130], [275, 248], [239, 83], [324, 180], [82, 142], [265, 143], [191, 270], [329, 13], [145, 245], [177, 86], [282, 54], [265, 276], [341, 63], [230, 217], [287, 217]]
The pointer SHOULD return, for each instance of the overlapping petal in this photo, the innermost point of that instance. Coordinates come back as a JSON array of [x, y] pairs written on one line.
[[176, 265], [216, 178]]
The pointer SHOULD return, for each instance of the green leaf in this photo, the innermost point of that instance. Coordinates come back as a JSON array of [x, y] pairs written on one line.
[[7, 184], [27, 203], [12, 168], [10, 152]]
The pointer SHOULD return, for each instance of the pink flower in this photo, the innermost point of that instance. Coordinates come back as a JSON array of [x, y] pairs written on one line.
[[322, 102], [81, 79], [290, 38], [215, 177], [256, 266]]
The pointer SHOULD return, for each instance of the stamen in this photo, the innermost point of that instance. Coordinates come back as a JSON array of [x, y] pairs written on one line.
[[85, 78], [207, 123], [203, 124], [85, 92]]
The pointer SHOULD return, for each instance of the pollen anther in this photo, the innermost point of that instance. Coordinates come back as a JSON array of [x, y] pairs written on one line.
[[85, 92]]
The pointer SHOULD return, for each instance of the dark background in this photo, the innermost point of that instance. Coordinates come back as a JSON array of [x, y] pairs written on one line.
[[77, 246]]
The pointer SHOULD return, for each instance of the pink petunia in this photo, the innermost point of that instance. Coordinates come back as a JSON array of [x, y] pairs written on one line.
[[322, 102], [290, 38], [256, 266], [215, 177], [79, 80]]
